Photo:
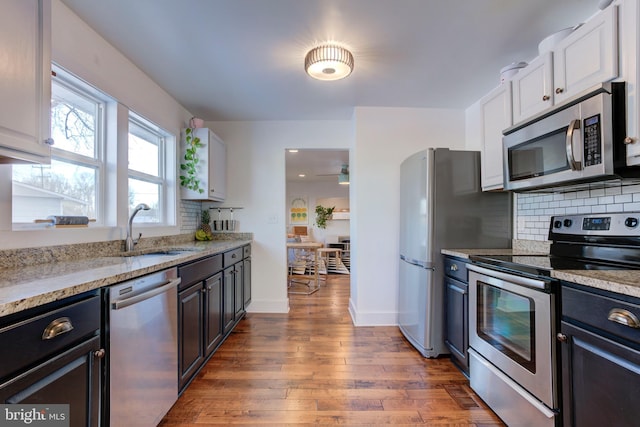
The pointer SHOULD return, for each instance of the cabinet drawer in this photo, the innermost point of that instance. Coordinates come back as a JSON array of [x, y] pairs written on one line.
[[246, 251], [595, 310], [26, 338], [232, 257], [199, 270], [456, 268]]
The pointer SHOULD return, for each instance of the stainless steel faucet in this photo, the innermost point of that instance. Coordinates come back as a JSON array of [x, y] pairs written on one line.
[[130, 242]]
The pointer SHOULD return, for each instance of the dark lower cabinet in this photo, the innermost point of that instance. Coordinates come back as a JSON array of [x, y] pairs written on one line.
[[246, 281], [456, 290], [211, 302], [213, 312], [199, 315], [600, 358], [229, 312], [52, 355], [190, 319]]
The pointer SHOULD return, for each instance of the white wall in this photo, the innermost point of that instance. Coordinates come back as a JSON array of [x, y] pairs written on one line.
[[257, 183], [384, 137]]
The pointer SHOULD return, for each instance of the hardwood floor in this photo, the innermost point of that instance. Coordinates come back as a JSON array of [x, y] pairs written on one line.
[[313, 367]]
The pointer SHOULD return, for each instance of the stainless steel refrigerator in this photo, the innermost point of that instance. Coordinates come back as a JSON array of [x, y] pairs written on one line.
[[441, 206]]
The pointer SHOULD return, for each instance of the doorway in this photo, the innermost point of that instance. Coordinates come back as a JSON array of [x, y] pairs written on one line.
[[318, 178]]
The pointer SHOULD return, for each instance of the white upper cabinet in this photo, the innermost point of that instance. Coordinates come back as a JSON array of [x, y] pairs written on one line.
[[533, 88], [629, 25], [496, 116], [211, 168], [25, 81], [587, 57]]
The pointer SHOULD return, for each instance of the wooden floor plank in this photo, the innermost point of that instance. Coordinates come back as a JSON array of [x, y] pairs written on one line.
[[312, 367]]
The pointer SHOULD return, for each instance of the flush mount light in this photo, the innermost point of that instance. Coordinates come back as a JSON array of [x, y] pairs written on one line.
[[328, 62]]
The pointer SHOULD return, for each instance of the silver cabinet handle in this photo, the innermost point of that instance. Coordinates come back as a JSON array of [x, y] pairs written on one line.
[[49, 141], [628, 140], [59, 326], [624, 317], [559, 90], [576, 166], [546, 97], [454, 267]]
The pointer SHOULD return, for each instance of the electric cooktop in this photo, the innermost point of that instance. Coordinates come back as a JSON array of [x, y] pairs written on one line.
[[579, 242]]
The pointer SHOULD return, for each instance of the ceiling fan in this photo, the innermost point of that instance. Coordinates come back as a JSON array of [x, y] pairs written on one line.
[[343, 175]]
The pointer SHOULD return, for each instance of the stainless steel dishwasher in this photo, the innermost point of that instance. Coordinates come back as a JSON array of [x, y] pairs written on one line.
[[143, 349]]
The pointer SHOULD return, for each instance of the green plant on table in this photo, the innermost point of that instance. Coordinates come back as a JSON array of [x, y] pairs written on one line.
[[189, 169], [322, 215]]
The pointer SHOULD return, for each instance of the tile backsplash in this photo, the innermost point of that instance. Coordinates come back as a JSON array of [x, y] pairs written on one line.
[[533, 211], [189, 215]]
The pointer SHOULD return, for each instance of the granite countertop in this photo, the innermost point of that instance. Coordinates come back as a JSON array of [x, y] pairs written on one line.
[[23, 287], [625, 282]]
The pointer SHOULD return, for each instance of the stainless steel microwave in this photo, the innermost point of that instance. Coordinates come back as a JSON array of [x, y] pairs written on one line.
[[581, 140]]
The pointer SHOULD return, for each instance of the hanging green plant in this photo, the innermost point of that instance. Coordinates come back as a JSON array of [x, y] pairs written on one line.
[[189, 176], [322, 215]]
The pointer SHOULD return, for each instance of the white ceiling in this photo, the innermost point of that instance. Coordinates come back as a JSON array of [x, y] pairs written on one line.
[[243, 59]]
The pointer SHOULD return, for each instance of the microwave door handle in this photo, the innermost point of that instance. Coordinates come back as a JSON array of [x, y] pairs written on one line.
[[575, 165]]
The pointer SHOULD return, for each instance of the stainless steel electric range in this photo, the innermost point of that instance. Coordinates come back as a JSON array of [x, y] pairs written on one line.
[[514, 312]]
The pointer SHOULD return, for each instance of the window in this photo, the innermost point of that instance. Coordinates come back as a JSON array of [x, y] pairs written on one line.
[[72, 183], [147, 180]]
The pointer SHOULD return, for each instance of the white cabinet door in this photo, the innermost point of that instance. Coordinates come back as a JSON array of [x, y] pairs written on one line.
[[588, 56], [218, 169], [533, 88], [25, 81], [495, 110], [211, 167], [629, 30]]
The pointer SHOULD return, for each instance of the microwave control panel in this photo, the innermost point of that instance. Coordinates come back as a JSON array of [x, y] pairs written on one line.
[[592, 141]]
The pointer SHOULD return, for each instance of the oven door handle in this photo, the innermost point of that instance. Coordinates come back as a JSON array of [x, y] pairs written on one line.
[[512, 278]]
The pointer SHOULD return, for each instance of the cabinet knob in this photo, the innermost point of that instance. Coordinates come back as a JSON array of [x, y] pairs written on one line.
[[624, 317], [49, 141], [559, 90], [546, 98], [629, 140], [210, 287], [561, 337], [213, 190], [454, 267], [99, 354]]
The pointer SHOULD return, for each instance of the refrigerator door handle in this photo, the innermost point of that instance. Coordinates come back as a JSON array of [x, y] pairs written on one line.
[[424, 264]]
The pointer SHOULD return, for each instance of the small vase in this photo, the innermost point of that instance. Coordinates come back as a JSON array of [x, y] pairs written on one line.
[[196, 123]]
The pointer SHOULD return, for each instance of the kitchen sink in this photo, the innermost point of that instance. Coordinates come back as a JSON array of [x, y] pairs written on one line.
[[166, 252]]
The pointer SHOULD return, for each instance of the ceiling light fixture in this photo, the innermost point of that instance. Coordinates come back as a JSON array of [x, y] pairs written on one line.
[[328, 62]]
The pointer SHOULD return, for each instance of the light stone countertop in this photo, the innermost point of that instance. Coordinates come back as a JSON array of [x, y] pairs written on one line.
[[625, 282], [30, 286]]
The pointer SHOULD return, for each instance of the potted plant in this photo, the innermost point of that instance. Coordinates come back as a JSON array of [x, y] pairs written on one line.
[[322, 215], [189, 177]]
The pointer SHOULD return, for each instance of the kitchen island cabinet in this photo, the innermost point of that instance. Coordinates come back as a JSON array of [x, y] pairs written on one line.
[[25, 81], [600, 357]]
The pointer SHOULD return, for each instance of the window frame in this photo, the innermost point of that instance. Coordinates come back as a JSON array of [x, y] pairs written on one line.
[[99, 162]]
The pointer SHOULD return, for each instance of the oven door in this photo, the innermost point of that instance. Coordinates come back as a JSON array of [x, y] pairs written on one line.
[[511, 325]]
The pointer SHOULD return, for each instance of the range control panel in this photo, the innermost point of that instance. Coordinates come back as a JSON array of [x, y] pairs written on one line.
[[626, 224]]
